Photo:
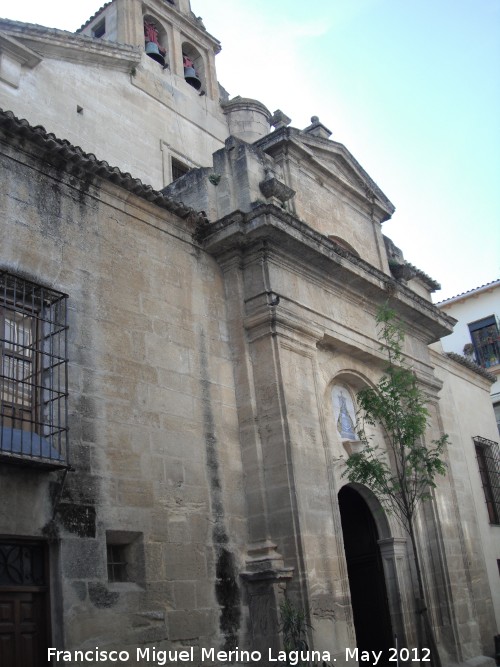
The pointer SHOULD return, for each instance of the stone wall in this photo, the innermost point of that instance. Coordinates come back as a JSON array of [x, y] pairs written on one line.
[[121, 106], [154, 439]]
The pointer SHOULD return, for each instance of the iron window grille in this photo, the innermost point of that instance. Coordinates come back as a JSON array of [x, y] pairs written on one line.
[[22, 564], [178, 169], [117, 562], [488, 460], [33, 373]]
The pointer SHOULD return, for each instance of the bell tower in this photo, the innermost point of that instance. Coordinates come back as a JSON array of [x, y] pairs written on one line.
[[170, 34]]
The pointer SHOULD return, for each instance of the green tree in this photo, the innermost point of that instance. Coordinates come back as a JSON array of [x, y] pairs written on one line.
[[405, 477]]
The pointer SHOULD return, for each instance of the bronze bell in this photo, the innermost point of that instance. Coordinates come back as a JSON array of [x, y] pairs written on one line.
[[153, 51], [192, 78]]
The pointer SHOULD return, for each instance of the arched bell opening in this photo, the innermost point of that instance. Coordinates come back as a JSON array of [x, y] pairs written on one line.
[[155, 40], [194, 67], [367, 583]]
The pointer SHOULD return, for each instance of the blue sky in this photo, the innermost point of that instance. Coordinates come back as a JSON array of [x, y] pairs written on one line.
[[411, 88]]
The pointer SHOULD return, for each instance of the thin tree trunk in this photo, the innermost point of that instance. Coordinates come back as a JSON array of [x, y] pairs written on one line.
[[423, 620]]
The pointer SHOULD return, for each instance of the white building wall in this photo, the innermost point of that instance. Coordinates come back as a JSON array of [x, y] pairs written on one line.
[[472, 306], [465, 415]]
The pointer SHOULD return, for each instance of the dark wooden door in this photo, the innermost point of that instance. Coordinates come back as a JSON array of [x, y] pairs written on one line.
[[366, 576], [23, 605]]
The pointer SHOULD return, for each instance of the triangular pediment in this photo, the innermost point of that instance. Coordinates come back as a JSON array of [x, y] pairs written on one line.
[[338, 165], [336, 159], [334, 162]]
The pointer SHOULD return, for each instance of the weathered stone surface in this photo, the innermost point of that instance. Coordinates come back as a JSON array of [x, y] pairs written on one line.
[[203, 354]]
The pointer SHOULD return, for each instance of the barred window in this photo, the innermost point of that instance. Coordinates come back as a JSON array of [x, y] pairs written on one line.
[[178, 169], [125, 556], [22, 563], [33, 373], [488, 459], [117, 562]]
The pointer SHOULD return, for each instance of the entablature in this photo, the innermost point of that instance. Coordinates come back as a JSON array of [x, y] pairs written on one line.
[[13, 57], [62, 45], [290, 242]]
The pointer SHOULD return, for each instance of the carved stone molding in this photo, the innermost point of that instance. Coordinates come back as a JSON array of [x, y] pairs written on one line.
[[264, 562], [272, 187]]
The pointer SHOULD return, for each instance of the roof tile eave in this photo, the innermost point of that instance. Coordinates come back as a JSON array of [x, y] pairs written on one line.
[[458, 358], [467, 293], [77, 157], [95, 15]]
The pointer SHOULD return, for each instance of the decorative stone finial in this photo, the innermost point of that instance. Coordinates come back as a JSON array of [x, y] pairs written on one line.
[[317, 129], [279, 119]]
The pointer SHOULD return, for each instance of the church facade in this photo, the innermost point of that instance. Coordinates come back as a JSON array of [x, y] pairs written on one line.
[[189, 288]]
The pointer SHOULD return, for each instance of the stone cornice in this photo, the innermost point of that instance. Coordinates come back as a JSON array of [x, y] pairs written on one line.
[[19, 51], [273, 320], [63, 45], [282, 233], [265, 563], [75, 161]]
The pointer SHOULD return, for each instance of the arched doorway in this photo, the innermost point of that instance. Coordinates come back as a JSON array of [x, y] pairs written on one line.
[[370, 607]]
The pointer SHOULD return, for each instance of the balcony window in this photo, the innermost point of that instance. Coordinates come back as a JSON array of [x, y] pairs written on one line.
[[485, 337], [488, 460], [33, 373]]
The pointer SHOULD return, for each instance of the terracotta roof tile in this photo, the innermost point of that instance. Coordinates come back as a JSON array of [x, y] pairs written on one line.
[[457, 297], [76, 159]]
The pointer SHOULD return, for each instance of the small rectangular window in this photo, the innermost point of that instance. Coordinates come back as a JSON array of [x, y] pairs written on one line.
[[99, 29], [117, 562], [496, 408], [488, 460], [178, 169], [33, 372], [125, 556]]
